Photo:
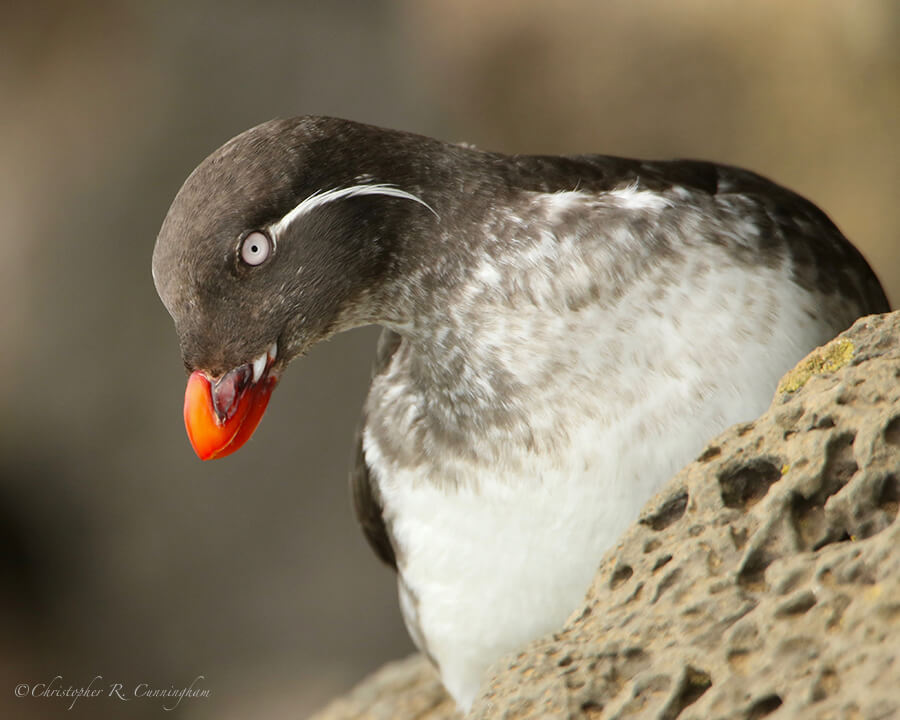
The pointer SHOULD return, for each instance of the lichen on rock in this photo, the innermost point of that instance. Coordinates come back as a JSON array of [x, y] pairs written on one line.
[[825, 359]]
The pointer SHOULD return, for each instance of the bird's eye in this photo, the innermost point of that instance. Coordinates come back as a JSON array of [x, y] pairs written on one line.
[[256, 248]]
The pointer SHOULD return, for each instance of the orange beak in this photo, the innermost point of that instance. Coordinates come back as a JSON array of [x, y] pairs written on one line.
[[221, 416]]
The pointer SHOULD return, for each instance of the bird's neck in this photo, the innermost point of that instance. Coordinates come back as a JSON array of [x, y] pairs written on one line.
[[484, 306]]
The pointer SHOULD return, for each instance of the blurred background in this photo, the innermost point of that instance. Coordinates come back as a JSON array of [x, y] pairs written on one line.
[[121, 555]]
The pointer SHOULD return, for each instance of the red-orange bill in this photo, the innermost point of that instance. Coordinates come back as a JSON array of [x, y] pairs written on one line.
[[211, 437]]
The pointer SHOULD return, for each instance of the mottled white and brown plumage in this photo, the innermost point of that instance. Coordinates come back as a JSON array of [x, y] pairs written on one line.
[[562, 334]]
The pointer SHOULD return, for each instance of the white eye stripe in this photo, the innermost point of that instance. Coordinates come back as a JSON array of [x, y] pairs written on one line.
[[322, 197]]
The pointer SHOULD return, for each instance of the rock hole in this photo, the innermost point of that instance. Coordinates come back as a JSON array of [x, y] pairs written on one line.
[[889, 497], [636, 660], [887, 504], [744, 429], [892, 431], [669, 512], [845, 397], [746, 636], [635, 594], [661, 561], [664, 584], [797, 605], [821, 423], [808, 518], [752, 575], [739, 537], [859, 572], [652, 546], [840, 465], [793, 580], [620, 575], [711, 452], [566, 661], [764, 706], [835, 536], [787, 418], [826, 685], [737, 660], [744, 485], [642, 693], [713, 562], [691, 686], [838, 606], [808, 513], [592, 709]]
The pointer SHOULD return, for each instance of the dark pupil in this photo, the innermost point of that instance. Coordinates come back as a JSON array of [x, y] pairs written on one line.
[[254, 248]]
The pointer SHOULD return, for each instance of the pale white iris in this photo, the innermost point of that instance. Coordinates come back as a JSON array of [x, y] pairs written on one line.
[[256, 248]]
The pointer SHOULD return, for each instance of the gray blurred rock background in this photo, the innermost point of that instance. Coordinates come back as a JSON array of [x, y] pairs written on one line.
[[121, 555]]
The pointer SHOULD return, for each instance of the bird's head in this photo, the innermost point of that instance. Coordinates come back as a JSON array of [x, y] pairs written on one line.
[[276, 241]]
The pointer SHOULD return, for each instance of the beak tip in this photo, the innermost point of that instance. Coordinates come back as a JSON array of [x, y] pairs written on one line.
[[210, 437]]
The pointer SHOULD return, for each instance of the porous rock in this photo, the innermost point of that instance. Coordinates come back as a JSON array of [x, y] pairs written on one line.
[[763, 579], [407, 689]]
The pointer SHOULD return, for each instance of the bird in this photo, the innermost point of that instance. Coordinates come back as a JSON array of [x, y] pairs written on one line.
[[560, 336]]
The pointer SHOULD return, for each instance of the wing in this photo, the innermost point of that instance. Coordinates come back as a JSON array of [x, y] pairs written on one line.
[[822, 258], [366, 500]]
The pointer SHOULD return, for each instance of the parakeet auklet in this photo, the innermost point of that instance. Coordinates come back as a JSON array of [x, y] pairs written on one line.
[[561, 335]]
